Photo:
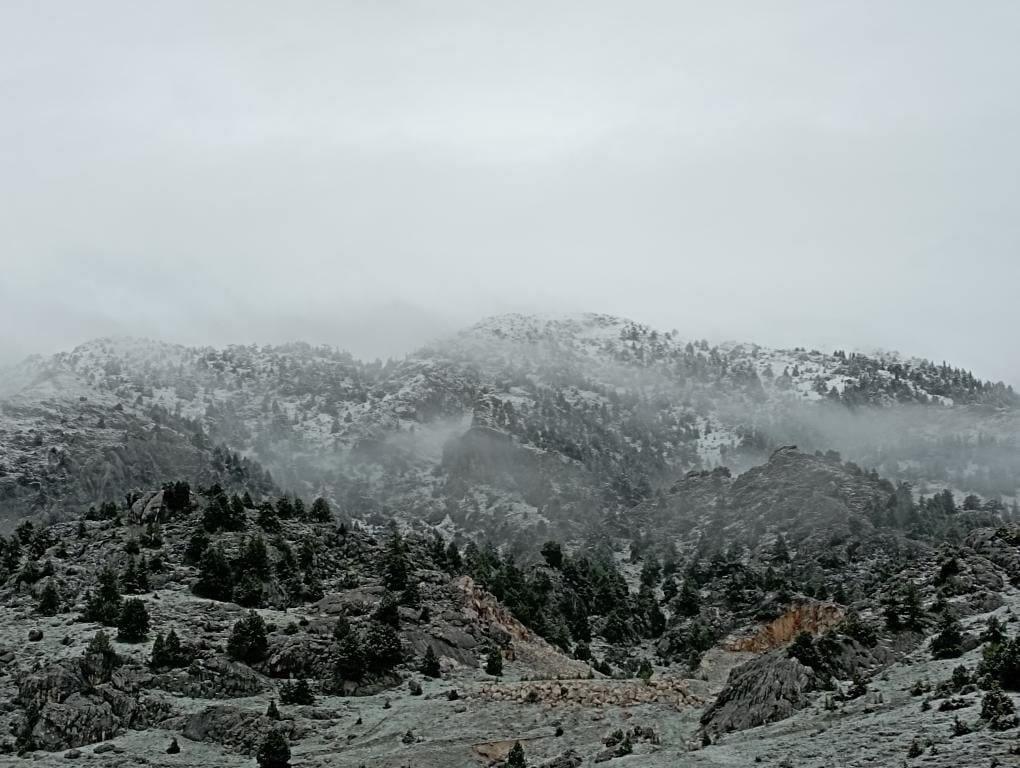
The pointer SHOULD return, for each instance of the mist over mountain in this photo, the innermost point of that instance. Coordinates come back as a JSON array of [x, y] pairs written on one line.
[[611, 410], [665, 543], [509, 385]]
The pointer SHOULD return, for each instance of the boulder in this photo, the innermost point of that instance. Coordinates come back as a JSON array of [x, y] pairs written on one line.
[[764, 690], [235, 728], [215, 678]]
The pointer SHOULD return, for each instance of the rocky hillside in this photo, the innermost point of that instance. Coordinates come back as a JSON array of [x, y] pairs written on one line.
[[735, 620], [519, 423]]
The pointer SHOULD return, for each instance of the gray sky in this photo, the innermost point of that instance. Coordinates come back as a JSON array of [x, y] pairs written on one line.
[[373, 173]]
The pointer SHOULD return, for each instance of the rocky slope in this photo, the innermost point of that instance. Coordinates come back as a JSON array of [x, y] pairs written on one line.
[[795, 621]]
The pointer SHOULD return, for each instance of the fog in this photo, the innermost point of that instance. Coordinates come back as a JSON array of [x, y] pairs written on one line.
[[373, 175]]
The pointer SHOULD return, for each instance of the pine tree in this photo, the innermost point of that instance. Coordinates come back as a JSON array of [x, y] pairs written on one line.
[[383, 650], [135, 580], [411, 596], [197, 545], [247, 641], [453, 559], [948, 643], [268, 520], [49, 600], [175, 655], [430, 663], [296, 693], [133, 623], [273, 712], [274, 751], [516, 757], [998, 709], [688, 601], [216, 577], [320, 512], [388, 611], [104, 605], [99, 660], [553, 554], [158, 658], [494, 663], [994, 633], [395, 563], [349, 658]]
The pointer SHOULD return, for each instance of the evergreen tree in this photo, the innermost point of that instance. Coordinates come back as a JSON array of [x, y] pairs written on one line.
[[411, 596], [175, 655], [268, 520], [388, 611], [197, 545], [553, 554], [133, 623], [296, 693], [494, 663], [453, 559], [395, 563], [948, 643], [274, 751], [321, 513], [382, 647], [247, 641], [216, 577], [997, 708], [49, 600], [101, 657], [158, 657], [349, 657], [688, 602], [249, 592], [780, 552], [104, 605], [135, 580], [516, 757], [430, 663], [994, 633], [273, 712]]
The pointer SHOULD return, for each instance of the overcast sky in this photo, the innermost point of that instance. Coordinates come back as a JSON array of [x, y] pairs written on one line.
[[371, 174]]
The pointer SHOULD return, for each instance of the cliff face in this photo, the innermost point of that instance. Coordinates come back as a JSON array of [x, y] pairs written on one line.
[[808, 617]]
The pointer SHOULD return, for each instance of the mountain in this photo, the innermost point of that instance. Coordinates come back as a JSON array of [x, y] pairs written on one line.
[[538, 421], [561, 541]]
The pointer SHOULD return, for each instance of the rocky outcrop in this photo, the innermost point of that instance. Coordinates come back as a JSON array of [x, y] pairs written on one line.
[[761, 691], [64, 708], [807, 617], [235, 728], [215, 678], [298, 655]]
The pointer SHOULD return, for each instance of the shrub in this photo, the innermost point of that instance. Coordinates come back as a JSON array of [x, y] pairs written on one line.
[[274, 751], [296, 693], [997, 708]]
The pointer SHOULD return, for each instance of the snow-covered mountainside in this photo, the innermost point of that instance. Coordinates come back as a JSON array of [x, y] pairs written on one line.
[[520, 421], [575, 538]]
